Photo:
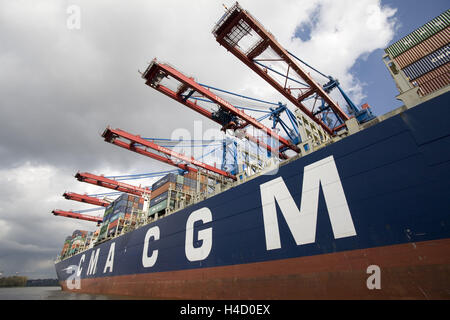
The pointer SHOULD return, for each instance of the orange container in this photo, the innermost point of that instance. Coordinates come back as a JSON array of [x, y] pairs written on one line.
[[433, 74], [113, 224], [191, 175], [434, 84], [162, 189]]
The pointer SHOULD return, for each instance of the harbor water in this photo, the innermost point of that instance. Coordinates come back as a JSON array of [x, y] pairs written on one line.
[[51, 293]]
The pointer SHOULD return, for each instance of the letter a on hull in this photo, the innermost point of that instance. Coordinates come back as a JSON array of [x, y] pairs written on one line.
[[302, 223]]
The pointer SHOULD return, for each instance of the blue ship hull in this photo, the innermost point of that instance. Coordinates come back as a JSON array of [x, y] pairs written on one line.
[[395, 177]]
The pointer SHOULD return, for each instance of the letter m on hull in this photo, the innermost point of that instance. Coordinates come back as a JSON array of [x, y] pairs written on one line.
[[302, 223]]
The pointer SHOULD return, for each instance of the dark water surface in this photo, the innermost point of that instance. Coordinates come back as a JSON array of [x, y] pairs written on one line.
[[51, 293]]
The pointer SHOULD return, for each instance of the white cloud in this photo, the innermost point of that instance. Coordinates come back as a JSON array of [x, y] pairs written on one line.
[[344, 31]]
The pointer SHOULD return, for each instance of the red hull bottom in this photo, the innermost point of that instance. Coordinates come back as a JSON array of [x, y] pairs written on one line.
[[419, 270]]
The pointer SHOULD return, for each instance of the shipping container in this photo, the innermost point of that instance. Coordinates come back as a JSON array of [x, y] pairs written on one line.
[[159, 198], [79, 233], [428, 63], [191, 175], [103, 230], [127, 216], [423, 49], [113, 224], [427, 30], [432, 74], [120, 203], [162, 197], [106, 219], [160, 206], [434, 84], [117, 216], [133, 198], [203, 187], [168, 178], [162, 189], [203, 179], [190, 182], [180, 179], [111, 232], [109, 209]]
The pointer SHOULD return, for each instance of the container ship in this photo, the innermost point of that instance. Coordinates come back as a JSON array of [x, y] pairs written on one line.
[[354, 206]]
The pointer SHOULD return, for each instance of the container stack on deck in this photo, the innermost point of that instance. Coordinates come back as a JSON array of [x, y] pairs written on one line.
[[66, 246], [169, 193], [121, 212], [172, 189], [424, 55], [78, 240]]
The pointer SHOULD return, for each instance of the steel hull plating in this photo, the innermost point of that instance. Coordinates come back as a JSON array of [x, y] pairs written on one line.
[[396, 179]]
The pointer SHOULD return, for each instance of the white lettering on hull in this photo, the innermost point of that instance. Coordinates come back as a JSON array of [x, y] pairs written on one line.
[[110, 260], [302, 223], [200, 253], [147, 261], [92, 267]]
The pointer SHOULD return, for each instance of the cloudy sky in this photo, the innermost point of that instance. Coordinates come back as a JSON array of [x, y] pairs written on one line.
[[60, 87]]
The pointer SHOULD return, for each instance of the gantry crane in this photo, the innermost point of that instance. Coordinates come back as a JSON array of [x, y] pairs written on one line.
[[102, 182], [228, 115], [238, 24], [85, 198], [75, 215], [111, 184], [137, 144]]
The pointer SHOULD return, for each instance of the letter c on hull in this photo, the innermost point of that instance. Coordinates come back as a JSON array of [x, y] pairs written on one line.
[[146, 260]]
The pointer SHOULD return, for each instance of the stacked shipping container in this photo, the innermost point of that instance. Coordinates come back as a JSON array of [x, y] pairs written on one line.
[[72, 244], [66, 247], [163, 196], [426, 31], [424, 48], [424, 55], [113, 217], [165, 191], [119, 211], [428, 63]]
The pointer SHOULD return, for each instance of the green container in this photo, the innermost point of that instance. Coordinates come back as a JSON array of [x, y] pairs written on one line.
[[161, 206], [158, 207], [424, 32], [108, 211], [180, 179], [103, 230]]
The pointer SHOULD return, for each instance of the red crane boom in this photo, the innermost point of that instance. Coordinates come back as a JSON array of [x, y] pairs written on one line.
[[112, 135], [236, 24], [85, 198], [157, 71], [74, 215], [111, 184]]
